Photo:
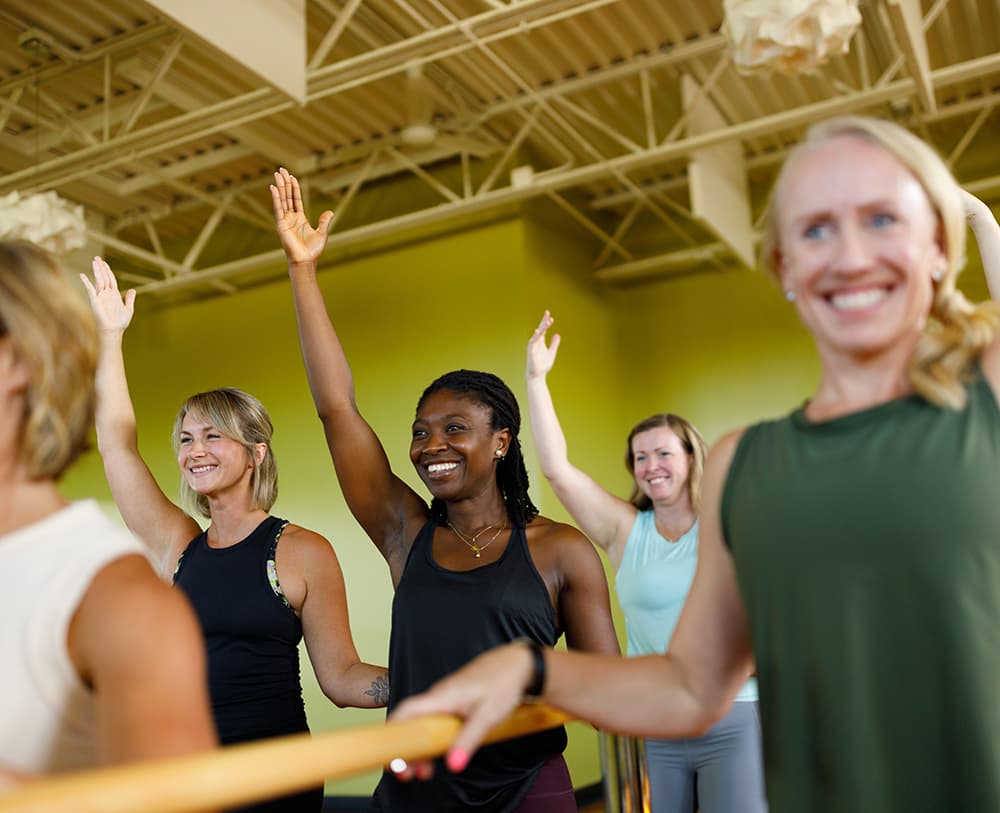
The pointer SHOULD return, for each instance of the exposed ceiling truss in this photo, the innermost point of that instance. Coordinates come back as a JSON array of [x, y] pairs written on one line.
[[613, 112]]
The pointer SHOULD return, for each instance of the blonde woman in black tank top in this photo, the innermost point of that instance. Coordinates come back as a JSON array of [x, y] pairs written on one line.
[[229, 475]]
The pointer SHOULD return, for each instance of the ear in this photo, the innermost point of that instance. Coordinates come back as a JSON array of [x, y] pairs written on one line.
[[259, 453], [503, 443], [941, 249], [13, 371]]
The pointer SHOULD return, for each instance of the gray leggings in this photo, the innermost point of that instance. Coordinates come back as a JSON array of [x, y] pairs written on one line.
[[720, 772]]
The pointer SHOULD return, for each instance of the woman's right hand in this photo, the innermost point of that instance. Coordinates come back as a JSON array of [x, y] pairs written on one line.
[[483, 693], [112, 312], [541, 356]]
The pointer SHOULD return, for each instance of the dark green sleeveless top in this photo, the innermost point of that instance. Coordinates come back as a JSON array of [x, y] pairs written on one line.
[[867, 550]]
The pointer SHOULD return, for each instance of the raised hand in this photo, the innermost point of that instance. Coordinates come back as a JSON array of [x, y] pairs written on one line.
[[301, 242], [541, 357], [112, 312]]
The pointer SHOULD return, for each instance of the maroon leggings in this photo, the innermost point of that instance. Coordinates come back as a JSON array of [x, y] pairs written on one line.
[[552, 790]]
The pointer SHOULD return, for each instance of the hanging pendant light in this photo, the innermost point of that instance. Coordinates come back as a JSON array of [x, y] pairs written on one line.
[[45, 219], [788, 35]]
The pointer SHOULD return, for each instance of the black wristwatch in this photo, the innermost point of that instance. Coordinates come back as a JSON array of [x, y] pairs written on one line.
[[535, 687]]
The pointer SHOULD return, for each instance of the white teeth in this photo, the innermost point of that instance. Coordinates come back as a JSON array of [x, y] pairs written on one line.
[[436, 468], [200, 469], [653, 481], [857, 300]]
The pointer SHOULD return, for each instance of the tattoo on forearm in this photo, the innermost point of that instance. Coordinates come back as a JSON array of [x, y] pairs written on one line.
[[380, 690]]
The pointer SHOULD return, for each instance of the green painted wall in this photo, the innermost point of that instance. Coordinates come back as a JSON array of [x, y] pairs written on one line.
[[722, 349]]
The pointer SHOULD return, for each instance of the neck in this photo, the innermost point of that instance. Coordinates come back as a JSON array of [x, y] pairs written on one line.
[[842, 392], [850, 385], [23, 501], [473, 514], [676, 519], [232, 520]]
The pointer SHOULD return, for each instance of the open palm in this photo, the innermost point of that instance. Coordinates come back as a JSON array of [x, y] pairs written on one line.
[[301, 242], [542, 356], [111, 310]]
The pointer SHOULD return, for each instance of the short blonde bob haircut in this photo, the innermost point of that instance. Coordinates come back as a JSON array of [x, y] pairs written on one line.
[[53, 334], [240, 416], [692, 442], [957, 331]]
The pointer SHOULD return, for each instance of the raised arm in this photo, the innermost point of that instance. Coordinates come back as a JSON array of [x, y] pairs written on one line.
[[984, 226], [606, 519], [143, 505], [342, 675], [987, 232], [678, 694], [386, 507], [136, 643]]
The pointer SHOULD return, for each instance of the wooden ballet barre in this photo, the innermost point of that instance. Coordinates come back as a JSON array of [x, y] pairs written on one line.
[[251, 772]]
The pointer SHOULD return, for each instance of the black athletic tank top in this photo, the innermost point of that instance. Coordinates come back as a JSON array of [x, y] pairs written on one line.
[[442, 619], [252, 636]]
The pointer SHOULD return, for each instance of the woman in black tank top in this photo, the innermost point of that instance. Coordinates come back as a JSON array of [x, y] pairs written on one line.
[[257, 583], [476, 568]]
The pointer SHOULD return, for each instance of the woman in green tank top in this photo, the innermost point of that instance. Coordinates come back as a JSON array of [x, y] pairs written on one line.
[[852, 549]]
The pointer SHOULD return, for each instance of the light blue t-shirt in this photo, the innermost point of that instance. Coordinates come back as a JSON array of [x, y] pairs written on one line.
[[652, 584]]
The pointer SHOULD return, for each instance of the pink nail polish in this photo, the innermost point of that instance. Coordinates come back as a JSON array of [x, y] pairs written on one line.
[[457, 760]]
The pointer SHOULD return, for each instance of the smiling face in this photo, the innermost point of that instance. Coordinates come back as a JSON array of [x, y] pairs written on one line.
[[210, 461], [454, 447], [857, 244], [660, 465]]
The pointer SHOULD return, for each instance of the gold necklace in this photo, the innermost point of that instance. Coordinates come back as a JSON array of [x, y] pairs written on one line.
[[470, 542]]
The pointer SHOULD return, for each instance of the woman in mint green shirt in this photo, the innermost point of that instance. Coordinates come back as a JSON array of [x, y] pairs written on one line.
[[651, 541]]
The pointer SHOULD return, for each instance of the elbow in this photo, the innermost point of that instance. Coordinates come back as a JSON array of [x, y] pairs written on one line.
[[705, 713], [335, 694]]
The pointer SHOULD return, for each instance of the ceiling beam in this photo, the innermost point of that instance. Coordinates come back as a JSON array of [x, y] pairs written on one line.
[[228, 114], [907, 25], [542, 184]]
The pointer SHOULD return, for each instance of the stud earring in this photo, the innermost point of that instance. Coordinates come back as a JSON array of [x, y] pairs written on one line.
[[499, 452], [790, 295], [938, 273]]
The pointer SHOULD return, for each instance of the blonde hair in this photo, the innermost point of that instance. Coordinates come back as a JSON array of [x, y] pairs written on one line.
[[53, 334], [692, 442], [957, 331], [240, 416]]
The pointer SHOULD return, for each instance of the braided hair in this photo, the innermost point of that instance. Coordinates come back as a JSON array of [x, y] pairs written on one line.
[[489, 391]]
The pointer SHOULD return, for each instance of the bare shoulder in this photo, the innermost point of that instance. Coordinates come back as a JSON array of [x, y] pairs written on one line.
[[548, 533], [562, 552], [720, 456], [126, 608], [304, 548], [130, 580], [304, 538]]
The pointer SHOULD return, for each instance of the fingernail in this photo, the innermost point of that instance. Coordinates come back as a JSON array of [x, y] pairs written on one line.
[[397, 765], [457, 760]]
